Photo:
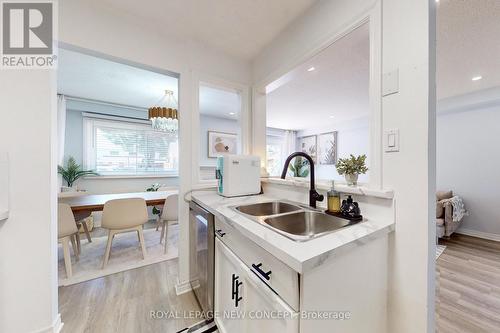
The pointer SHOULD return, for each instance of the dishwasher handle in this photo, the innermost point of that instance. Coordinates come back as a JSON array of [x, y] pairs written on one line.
[[220, 233], [265, 275]]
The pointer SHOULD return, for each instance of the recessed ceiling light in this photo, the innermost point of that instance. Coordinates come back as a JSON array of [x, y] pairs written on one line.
[[232, 113], [477, 78], [310, 69], [331, 117]]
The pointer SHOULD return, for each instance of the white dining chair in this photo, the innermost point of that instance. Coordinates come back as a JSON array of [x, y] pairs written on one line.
[[83, 221], [160, 208], [67, 232], [124, 215], [169, 215]]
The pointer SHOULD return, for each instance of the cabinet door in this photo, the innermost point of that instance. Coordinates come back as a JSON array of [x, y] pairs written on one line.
[[229, 288], [265, 310]]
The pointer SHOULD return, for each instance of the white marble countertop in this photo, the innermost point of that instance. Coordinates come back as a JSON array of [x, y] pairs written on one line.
[[300, 256]]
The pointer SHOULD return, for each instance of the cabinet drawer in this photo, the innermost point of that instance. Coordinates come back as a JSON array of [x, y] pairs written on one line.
[[280, 278]]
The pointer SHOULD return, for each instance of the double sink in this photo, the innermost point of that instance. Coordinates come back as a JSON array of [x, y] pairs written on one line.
[[293, 220]]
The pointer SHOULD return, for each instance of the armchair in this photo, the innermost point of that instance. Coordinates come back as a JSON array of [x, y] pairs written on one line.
[[444, 214]]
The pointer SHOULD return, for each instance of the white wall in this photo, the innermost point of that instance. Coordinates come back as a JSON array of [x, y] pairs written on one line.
[[407, 33], [352, 138], [209, 123], [409, 45], [468, 162], [28, 250]]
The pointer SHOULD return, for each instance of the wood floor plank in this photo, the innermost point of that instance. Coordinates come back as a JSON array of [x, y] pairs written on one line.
[[122, 302], [468, 286]]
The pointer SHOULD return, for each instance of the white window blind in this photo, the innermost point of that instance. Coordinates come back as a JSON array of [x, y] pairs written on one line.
[[121, 148]]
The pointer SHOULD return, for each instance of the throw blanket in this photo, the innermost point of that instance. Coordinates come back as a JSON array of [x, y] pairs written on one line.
[[459, 210]]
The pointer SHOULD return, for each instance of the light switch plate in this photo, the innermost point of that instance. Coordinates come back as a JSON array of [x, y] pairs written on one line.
[[391, 140], [390, 83]]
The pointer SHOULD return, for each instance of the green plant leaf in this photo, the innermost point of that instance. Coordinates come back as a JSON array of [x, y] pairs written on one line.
[[73, 171], [352, 165]]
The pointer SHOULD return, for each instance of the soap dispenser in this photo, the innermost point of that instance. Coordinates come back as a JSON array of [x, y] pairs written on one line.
[[333, 199]]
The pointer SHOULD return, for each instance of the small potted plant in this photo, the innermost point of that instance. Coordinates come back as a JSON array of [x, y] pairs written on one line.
[[351, 168], [73, 171], [154, 188]]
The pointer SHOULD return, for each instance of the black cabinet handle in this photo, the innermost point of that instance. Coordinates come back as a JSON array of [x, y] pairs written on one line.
[[233, 287], [265, 275], [237, 296], [235, 290], [220, 232]]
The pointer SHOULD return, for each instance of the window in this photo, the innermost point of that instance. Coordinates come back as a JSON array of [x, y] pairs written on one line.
[[123, 148], [279, 144], [275, 150]]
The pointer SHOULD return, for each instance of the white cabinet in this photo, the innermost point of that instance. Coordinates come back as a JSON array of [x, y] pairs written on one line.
[[228, 290], [243, 302], [269, 312]]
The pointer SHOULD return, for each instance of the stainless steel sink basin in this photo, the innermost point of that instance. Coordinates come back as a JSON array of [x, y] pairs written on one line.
[[297, 222], [268, 208], [306, 224]]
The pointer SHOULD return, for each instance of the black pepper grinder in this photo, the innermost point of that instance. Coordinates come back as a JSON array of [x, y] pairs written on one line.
[[350, 208]]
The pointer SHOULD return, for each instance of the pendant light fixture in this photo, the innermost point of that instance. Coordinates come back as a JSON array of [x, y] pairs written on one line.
[[163, 115]]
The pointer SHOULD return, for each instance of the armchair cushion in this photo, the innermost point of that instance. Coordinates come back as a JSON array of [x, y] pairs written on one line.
[[439, 209], [441, 195]]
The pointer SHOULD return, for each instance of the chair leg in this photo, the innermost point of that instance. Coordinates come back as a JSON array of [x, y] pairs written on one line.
[[163, 224], [86, 229], [111, 235], [141, 240], [78, 243], [67, 256], [74, 245]]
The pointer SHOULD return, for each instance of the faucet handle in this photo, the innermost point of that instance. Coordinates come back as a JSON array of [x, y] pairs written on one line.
[[317, 196]]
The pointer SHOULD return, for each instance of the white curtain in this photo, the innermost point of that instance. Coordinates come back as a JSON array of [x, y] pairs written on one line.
[[61, 127], [290, 142]]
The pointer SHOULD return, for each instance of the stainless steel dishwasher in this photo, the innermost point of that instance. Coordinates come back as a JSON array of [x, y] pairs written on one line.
[[202, 269]]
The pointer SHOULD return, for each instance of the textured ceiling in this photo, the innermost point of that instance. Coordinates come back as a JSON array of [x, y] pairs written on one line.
[[85, 76], [90, 77], [241, 28], [336, 91], [468, 44]]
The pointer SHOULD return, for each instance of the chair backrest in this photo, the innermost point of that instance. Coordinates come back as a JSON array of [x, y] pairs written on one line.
[[124, 213], [170, 208], [66, 224]]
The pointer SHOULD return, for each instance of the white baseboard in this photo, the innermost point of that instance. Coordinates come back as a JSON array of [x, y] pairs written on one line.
[[182, 287], [479, 234], [56, 326]]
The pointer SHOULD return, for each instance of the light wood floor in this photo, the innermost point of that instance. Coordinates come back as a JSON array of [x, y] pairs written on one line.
[[122, 302], [468, 286]]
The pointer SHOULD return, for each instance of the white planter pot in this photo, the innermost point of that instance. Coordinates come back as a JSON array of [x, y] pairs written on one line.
[[68, 189], [351, 179]]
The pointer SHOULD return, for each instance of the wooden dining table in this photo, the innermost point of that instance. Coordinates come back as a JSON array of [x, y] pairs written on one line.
[[83, 205]]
